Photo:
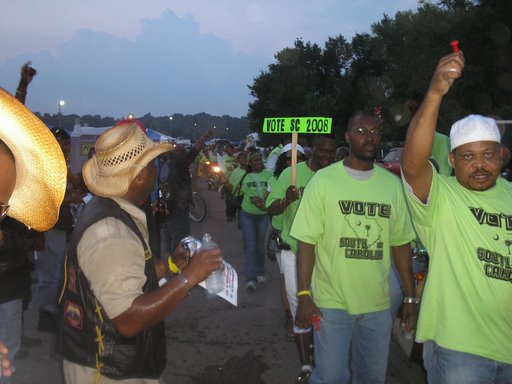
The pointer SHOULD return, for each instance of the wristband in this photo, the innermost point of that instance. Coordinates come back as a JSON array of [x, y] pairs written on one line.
[[411, 300], [173, 268], [304, 293]]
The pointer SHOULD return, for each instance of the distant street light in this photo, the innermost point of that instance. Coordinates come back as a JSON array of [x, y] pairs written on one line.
[[61, 104], [195, 126], [170, 126], [130, 116], [227, 132]]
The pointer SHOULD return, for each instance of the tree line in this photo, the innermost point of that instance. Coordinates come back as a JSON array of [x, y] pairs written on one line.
[[390, 68]]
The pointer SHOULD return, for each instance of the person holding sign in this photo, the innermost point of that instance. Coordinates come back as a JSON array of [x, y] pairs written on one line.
[[351, 219], [284, 199]]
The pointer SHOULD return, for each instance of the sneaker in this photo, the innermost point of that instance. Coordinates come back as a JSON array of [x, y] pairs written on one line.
[[250, 286], [261, 279]]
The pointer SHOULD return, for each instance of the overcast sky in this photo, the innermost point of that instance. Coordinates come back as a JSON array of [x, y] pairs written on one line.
[[114, 57]]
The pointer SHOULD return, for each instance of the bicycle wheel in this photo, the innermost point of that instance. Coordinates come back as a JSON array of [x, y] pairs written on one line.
[[197, 208]]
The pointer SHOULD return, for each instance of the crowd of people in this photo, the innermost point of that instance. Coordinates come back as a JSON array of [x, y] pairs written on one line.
[[339, 226]]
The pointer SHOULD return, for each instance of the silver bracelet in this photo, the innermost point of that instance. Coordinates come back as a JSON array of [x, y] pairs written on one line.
[[411, 300], [185, 281]]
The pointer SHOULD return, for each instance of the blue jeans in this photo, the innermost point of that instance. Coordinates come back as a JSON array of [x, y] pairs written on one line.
[[254, 229], [49, 268], [10, 326], [351, 347], [445, 366], [177, 226]]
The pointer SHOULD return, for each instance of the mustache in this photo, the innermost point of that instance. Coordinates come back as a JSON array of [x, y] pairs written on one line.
[[481, 171]]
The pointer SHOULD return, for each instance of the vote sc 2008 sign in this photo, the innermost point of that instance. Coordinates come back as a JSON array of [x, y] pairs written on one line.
[[297, 125]]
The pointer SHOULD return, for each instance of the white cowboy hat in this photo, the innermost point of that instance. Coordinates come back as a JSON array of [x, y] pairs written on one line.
[[121, 152], [41, 169]]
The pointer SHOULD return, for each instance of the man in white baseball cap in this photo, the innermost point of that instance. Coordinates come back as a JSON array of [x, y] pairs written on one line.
[[465, 222]]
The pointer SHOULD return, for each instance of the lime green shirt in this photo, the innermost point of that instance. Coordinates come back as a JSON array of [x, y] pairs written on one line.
[[278, 192], [440, 151], [253, 185], [353, 224], [467, 300], [235, 178], [229, 164]]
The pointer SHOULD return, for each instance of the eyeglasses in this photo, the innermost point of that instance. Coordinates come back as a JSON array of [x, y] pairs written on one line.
[[4, 208], [365, 132]]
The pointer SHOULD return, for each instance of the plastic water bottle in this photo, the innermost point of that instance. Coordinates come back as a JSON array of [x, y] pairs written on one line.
[[214, 282]]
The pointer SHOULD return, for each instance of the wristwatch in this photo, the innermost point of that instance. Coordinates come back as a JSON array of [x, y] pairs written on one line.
[[411, 300]]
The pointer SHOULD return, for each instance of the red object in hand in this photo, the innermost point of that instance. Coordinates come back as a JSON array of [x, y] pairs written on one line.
[[315, 320], [455, 45]]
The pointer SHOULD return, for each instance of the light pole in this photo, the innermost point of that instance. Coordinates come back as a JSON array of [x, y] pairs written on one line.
[[61, 104], [227, 132], [195, 126], [214, 130], [170, 126]]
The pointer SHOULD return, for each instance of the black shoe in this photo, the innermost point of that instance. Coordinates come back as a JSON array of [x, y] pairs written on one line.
[[30, 342], [303, 377], [21, 354], [47, 321]]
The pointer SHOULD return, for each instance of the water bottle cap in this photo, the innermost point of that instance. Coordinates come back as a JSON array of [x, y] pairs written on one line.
[[207, 237]]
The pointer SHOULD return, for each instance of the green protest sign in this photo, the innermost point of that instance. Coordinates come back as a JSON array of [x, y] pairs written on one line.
[[297, 125]]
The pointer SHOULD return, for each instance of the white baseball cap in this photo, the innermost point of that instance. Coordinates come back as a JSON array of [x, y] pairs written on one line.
[[474, 128], [288, 147]]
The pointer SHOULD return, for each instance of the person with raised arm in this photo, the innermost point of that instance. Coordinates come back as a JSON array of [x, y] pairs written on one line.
[[465, 223]]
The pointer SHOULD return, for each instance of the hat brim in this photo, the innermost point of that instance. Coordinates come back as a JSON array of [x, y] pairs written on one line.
[[117, 185], [41, 170]]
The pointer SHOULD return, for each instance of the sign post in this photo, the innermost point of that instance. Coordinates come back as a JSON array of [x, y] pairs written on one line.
[[296, 125]]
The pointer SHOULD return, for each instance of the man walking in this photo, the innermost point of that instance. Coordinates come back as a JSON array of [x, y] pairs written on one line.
[[284, 199], [352, 217]]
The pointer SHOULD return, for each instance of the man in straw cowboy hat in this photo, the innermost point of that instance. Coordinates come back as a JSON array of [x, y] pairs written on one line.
[[111, 325], [465, 222], [32, 173]]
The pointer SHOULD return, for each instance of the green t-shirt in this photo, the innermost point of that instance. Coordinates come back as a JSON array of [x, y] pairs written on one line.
[[353, 224], [255, 184], [278, 192], [467, 300], [440, 151], [277, 220], [234, 179], [229, 163]]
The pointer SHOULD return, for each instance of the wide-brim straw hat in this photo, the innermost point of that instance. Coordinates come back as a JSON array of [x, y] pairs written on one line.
[[41, 169], [121, 152]]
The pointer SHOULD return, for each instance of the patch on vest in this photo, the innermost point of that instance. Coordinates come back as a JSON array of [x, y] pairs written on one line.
[[74, 315], [72, 279]]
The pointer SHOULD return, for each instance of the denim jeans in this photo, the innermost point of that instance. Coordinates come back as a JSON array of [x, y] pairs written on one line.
[[254, 229], [351, 347], [10, 326], [445, 366], [49, 268]]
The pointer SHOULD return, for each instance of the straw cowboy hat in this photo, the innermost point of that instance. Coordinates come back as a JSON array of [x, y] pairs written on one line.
[[40, 166], [121, 152]]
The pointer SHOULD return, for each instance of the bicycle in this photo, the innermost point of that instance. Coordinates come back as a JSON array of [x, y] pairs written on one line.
[[197, 211]]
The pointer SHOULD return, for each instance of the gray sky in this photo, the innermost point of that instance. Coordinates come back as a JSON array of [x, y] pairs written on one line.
[[114, 57]]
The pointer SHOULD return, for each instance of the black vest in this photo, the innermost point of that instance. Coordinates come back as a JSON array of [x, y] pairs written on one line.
[[86, 335]]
